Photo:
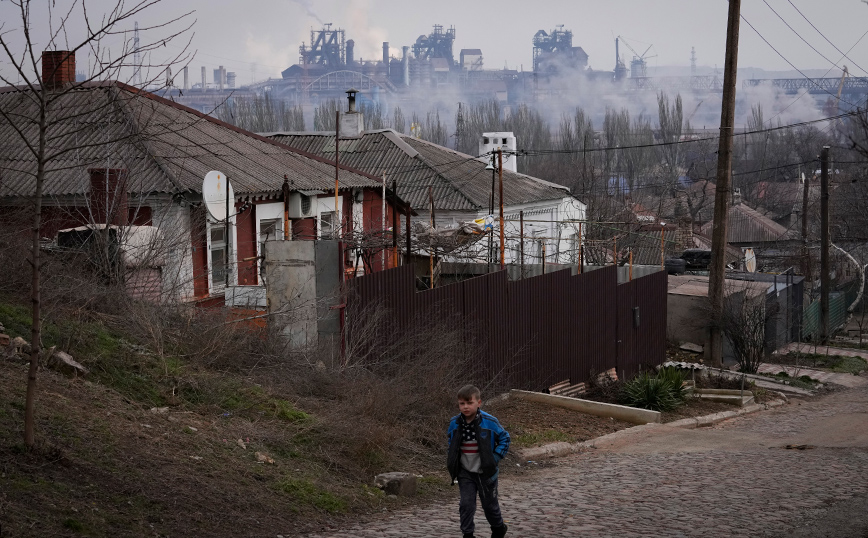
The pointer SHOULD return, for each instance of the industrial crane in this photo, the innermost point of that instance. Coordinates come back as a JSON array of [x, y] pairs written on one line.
[[637, 66], [832, 107]]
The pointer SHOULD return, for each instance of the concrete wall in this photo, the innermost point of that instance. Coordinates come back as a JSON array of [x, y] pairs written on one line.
[[290, 269]]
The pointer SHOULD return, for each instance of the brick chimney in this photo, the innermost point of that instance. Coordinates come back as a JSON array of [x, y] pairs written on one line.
[[108, 199], [58, 68]]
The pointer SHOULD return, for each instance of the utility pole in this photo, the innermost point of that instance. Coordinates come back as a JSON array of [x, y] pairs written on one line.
[[824, 245], [500, 176], [806, 265], [717, 270]]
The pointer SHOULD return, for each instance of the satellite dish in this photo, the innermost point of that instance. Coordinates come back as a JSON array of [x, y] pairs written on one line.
[[214, 194], [750, 260]]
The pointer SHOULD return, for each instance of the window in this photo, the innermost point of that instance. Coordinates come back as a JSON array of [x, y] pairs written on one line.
[[485, 140], [327, 225], [218, 255]]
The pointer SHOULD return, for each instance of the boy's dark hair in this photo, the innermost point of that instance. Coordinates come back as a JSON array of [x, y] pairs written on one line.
[[469, 392]]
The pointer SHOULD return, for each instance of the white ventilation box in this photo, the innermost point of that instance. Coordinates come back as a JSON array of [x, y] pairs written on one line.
[[302, 205]]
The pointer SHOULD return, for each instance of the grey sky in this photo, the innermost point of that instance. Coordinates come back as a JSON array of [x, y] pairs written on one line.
[[267, 33]]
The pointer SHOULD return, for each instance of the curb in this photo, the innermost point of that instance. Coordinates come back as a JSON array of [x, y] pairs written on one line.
[[554, 450]]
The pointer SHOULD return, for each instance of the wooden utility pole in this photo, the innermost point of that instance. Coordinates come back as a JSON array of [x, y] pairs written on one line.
[[824, 245], [500, 176], [717, 269], [806, 261]]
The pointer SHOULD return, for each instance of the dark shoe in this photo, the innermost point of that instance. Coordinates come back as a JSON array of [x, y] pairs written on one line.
[[469, 535], [498, 532]]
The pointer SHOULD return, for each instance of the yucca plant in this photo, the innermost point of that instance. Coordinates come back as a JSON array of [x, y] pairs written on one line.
[[661, 392]]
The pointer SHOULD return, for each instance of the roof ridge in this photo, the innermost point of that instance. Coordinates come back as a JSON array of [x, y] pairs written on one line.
[[241, 131]]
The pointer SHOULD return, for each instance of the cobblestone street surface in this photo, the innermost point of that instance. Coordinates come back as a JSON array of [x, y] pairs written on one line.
[[737, 478]]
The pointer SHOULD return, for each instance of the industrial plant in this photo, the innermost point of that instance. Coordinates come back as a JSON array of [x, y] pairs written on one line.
[[328, 65]]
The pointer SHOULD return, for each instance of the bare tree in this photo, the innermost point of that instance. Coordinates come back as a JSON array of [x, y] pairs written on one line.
[[743, 322], [43, 115]]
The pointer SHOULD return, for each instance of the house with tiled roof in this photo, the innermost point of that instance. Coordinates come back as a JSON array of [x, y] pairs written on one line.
[[122, 157], [459, 188]]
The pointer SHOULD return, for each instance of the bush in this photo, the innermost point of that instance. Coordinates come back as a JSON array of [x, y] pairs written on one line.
[[662, 392]]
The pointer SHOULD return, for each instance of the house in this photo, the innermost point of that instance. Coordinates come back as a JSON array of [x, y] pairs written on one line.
[[776, 247], [459, 188], [126, 157]]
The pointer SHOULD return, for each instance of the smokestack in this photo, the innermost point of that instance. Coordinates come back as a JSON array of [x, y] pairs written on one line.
[[108, 197], [617, 55], [222, 78], [351, 45], [58, 68], [169, 81], [204, 85], [405, 63], [386, 56], [186, 78]]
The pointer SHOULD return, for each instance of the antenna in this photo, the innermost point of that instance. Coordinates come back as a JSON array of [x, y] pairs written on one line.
[[137, 59]]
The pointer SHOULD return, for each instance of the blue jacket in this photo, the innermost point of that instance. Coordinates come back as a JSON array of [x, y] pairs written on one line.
[[493, 444]]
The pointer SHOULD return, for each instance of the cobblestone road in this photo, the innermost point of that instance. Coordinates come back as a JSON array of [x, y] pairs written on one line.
[[733, 479]]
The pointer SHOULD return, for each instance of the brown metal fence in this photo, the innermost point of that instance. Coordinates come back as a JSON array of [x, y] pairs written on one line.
[[530, 333]]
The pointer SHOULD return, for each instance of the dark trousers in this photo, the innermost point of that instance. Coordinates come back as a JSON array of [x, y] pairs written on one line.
[[471, 485]]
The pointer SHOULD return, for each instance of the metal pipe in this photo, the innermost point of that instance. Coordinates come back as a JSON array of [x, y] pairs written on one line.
[[395, 224], [431, 245], [521, 243], [409, 237], [581, 250], [337, 221], [383, 222]]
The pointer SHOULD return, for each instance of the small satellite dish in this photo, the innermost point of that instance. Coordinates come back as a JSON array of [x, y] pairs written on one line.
[[214, 188], [750, 260]]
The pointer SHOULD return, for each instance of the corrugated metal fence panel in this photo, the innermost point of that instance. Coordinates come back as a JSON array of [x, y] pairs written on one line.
[[484, 320], [641, 344], [528, 333]]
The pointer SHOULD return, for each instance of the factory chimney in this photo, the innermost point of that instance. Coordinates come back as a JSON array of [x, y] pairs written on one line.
[[352, 122], [204, 85], [186, 78], [386, 57], [405, 64], [351, 45]]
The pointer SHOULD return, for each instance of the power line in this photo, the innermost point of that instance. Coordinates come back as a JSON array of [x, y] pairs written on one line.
[[843, 54]]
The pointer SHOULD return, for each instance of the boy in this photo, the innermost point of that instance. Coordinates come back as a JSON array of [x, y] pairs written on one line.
[[477, 443]]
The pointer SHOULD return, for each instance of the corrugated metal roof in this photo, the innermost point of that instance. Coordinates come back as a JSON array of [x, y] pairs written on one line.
[[165, 146], [459, 181]]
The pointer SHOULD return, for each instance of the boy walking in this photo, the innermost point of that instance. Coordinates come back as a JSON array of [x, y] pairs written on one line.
[[477, 443]]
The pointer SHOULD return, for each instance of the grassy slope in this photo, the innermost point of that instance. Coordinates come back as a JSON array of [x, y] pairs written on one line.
[[109, 465]]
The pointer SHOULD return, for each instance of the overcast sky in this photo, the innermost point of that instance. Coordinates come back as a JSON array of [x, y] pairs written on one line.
[[265, 34]]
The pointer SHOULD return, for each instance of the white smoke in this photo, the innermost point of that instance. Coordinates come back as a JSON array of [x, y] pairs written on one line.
[[308, 7]]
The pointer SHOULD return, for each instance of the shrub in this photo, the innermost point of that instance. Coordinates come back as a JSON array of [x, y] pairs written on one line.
[[662, 392]]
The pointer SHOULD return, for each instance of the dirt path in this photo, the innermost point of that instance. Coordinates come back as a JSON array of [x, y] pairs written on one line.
[[737, 478]]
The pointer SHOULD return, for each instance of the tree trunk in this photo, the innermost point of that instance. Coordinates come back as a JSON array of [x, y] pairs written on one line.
[[36, 330]]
